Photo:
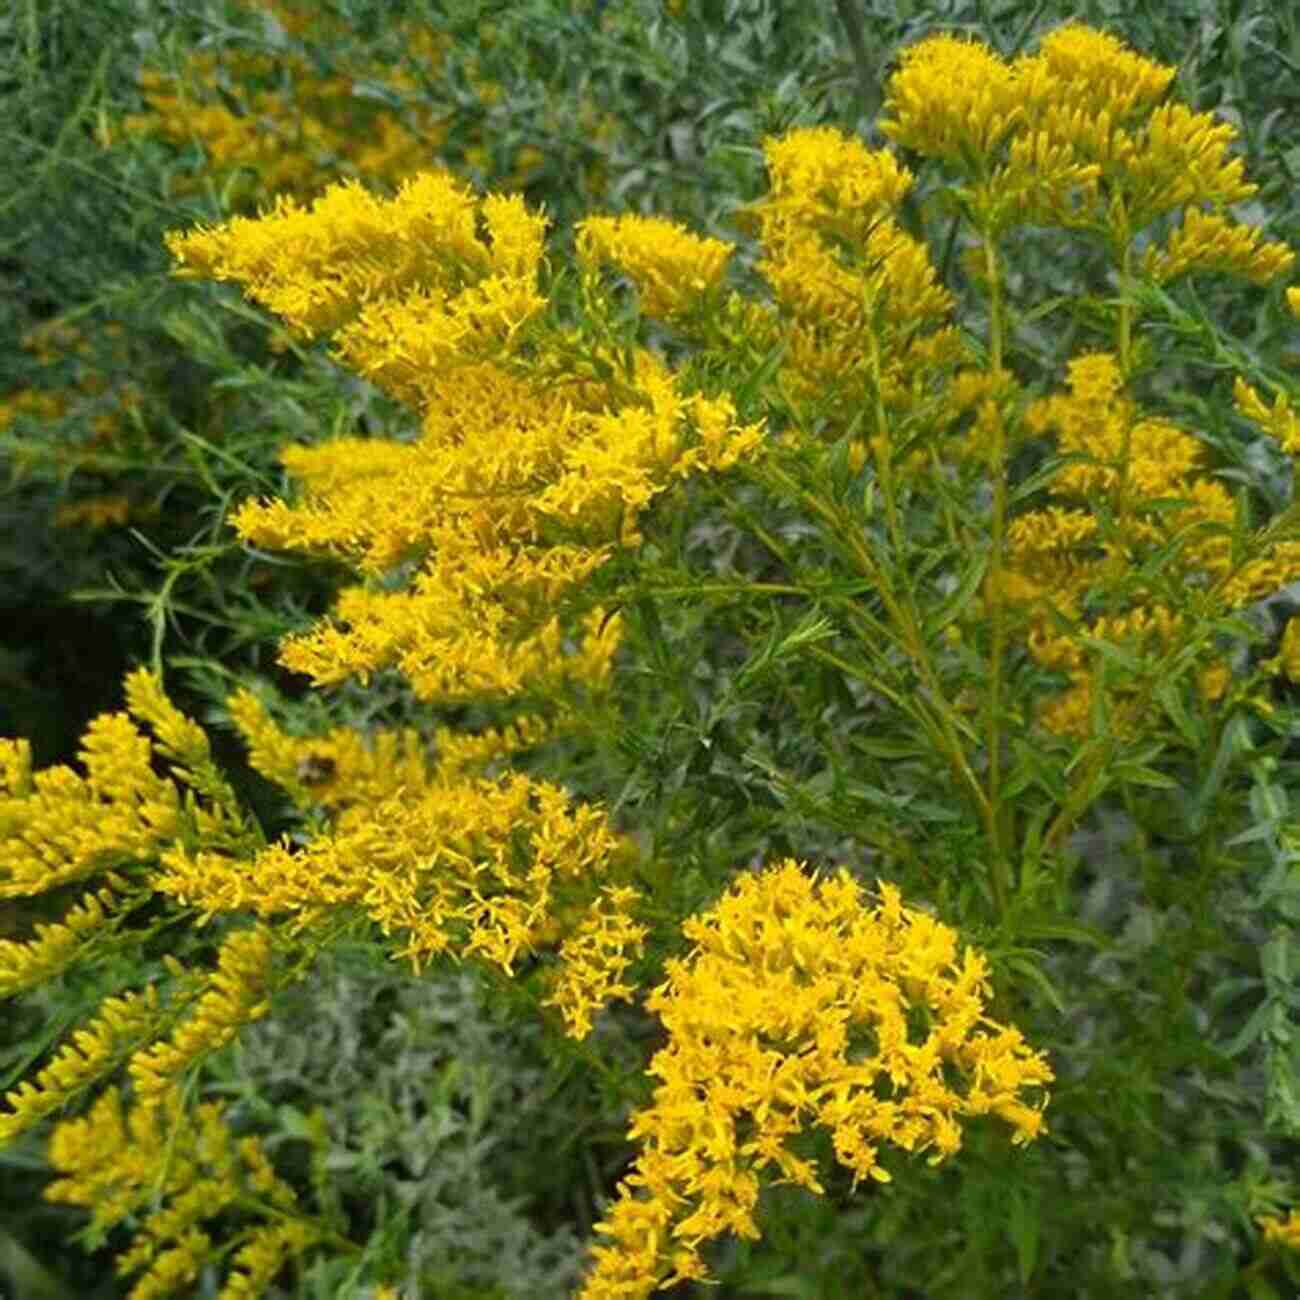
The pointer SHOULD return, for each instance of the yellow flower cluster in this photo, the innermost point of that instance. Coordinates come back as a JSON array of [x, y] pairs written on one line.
[[801, 1005], [237, 995], [862, 313], [671, 268], [475, 867], [120, 1026], [116, 822], [58, 827], [1281, 1232], [57, 946], [319, 266], [477, 896], [1075, 136], [594, 956], [1153, 478], [523, 478], [171, 1171], [1281, 420]]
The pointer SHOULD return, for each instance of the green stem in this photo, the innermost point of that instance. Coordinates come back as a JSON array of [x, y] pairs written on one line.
[[996, 819], [906, 633], [868, 87]]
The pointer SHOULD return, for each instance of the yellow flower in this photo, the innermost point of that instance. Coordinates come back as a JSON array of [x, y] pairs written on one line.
[[1086, 70], [171, 1169], [1210, 241], [1281, 1232], [317, 266], [118, 1027], [56, 946], [593, 958], [952, 99], [824, 179], [670, 267], [800, 1005], [236, 995]]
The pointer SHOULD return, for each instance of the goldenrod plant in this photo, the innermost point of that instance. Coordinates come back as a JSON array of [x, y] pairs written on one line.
[[907, 934]]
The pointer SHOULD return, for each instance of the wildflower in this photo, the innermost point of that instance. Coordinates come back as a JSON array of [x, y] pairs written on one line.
[[118, 1027], [236, 995], [670, 267], [950, 98], [1280, 420], [471, 866], [796, 1007], [593, 958], [317, 266], [63, 827], [169, 1170], [1210, 241], [57, 945]]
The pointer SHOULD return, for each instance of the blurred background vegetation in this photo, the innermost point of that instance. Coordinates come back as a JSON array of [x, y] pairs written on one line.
[[137, 411]]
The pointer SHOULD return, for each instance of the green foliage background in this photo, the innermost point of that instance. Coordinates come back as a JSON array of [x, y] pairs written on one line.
[[485, 1151]]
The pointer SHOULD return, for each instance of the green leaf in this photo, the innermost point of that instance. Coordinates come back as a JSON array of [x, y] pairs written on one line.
[[1066, 931], [1234, 742], [1251, 1031], [953, 607], [1137, 774], [1035, 975], [889, 748], [1024, 1226], [1171, 698]]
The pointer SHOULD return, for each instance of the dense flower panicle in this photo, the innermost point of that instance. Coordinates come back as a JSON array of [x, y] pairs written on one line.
[[823, 179], [1281, 420], [1074, 135], [861, 310], [237, 994], [1154, 478], [1094, 71], [405, 345], [594, 957], [318, 266], [488, 654], [474, 867], [671, 268], [64, 827], [1209, 241], [178, 737], [797, 1007], [171, 1170], [120, 1025], [951, 98], [56, 946], [900, 290]]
